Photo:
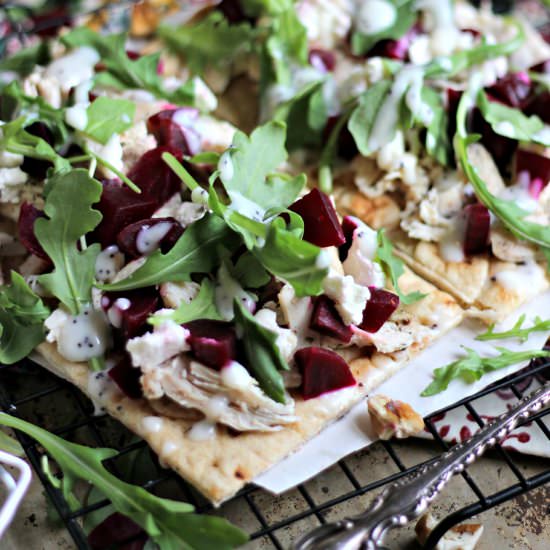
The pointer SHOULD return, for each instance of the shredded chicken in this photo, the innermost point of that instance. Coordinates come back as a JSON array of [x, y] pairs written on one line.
[[194, 386], [508, 248], [173, 294], [464, 536], [393, 418]]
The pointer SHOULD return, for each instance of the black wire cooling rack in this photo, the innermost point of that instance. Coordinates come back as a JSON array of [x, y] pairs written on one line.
[[29, 392]]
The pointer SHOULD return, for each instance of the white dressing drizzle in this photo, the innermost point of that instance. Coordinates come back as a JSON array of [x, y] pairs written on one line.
[[74, 68], [108, 263], [99, 385], [77, 116], [225, 166], [202, 430], [245, 206], [84, 336], [374, 16], [226, 291], [149, 237], [527, 278], [206, 428], [235, 376], [152, 424]]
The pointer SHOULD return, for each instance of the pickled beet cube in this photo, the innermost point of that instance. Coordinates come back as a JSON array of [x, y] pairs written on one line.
[[321, 225], [396, 49], [213, 343], [379, 309], [478, 223], [117, 531], [514, 89], [539, 105], [154, 177], [349, 225], [347, 148], [127, 239], [322, 370], [133, 320], [323, 60], [537, 166], [28, 214], [126, 377], [174, 128], [120, 207], [326, 320]]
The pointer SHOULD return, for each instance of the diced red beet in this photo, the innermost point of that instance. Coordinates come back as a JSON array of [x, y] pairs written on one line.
[[474, 32], [174, 128], [117, 531], [326, 320], [233, 11], [379, 309], [535, 188], [28, 214], [347, 148], [537, 166], [120, 207], [154, 177], [323, 60], [321, 225], [514, 89], [323, 371], [453, 99], [478, 223], [127, 238], [35, 167], [126, 377], [213, 343], [349, 225], [47, 24], [540, 106], [396, 49], [143, 302]]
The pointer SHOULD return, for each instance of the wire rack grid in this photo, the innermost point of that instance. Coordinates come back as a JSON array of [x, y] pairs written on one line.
[[39, 400]]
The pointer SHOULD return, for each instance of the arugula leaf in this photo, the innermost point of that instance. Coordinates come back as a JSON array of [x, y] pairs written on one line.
[[108, 116], [250, 272], [305, 115], [10, 445], [211, 42], [24, 61], [196, 251], [254, 8], [171, 524], [449, 66], [264, 358], [511, 215], [517, 331], [404, 20], [291, 259], [512, 123], [363, 117], [473, 367], [15, 139], [202, 306], [121, 71], [393, 268], [437, 139], [70, 216], [22, 314]]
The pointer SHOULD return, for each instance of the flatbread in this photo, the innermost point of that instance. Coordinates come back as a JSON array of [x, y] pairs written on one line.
[[218, 468]]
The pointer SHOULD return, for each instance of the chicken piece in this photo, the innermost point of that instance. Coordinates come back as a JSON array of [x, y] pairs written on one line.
[[508, 248], [173, 294], [460, 537], [128, 269], [237, 402], [393, 418], [184, 212], [486, 168], [135, 142]]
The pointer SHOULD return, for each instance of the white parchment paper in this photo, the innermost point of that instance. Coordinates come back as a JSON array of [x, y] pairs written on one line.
[[353, 431]]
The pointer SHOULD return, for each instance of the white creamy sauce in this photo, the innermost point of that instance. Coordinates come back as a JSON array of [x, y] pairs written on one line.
[[505, 128], [149, 237], [216, 406], [114, 313], [451, 246], [324, 259], [543, 136], [152, 424], [99, 385], [226, 291], [235, 376], [108, 263], [169, 447], [246, 207], [519, 194], [74, 68], [375, 16], [202, 430], [84, 336], [225, 166], [524, 279], [199, 196], [77, 116]]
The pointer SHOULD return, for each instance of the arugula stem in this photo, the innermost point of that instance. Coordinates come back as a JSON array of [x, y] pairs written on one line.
[[115, 171], [96, 363], [78, 158], [180, 171]]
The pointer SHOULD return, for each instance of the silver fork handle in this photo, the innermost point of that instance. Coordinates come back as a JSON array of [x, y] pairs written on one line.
[[409, 497]]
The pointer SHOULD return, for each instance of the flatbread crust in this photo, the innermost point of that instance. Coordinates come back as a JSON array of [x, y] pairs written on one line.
[[474, 282], [221, 466]]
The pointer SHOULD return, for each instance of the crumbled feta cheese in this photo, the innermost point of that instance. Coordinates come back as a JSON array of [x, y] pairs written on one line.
[[216, 135], [359, 262], [110, 152], [286, 339], [173, 294], [72, 69], [136, 141], [349, 297], [153, 348], [11, 183]]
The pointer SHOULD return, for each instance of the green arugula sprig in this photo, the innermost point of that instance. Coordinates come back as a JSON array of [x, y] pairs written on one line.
[[393, 268], [22, 316], [202, 306], [70, 215], [24, 61], [509, 213], [517, 331], [108, 116], [264, 358], [473, 367], [405, 16], [169, 523], [121, 72], [210, 42]]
